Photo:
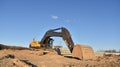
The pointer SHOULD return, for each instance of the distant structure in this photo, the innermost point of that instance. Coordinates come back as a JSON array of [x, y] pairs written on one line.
[[57, 46], [107, 53]]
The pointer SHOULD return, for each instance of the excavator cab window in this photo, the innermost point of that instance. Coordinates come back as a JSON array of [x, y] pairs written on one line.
[[50, 42]]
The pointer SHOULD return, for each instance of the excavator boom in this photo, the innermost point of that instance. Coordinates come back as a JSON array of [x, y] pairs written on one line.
[[64, 33]]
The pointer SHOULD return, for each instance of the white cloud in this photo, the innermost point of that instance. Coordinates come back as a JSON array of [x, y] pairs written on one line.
[[62, 19], [54, 17]]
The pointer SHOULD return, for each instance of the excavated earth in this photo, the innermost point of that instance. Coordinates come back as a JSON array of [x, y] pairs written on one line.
[[40, 58]]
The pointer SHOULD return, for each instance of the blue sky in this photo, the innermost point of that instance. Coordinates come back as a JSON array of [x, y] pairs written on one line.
[[91, 22]]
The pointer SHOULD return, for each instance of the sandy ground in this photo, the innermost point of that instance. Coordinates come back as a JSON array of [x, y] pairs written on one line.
[[37, 58]]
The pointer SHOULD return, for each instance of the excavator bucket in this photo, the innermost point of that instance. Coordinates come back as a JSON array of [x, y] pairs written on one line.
[[77, 52], [83, 52]]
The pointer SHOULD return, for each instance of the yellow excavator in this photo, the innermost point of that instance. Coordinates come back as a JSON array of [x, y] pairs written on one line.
[[77, 51], [47, 41]]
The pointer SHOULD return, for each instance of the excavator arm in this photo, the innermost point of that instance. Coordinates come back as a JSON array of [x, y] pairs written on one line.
[[64, 33]]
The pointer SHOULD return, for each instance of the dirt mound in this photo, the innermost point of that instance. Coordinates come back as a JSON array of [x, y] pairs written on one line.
[[11, 47], [41, 58], [10, 61]]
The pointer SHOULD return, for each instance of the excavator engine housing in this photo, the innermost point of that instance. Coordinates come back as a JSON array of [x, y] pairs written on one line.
[[35, 44]]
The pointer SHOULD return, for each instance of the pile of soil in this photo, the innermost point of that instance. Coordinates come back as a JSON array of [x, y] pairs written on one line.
[[10, 61], [42, 58], [33, 58], [11, 47]]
